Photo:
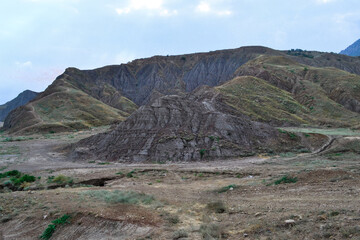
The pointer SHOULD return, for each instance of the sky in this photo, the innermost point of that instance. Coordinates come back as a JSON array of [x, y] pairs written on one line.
[[39, 39]]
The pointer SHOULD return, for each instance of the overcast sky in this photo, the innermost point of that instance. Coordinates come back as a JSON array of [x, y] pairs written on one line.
[[40, 38]]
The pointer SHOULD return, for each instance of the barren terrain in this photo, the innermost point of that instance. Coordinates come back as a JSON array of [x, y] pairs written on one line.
[[287, 196]]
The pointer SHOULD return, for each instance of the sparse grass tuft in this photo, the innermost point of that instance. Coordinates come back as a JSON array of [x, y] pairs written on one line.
[[127, 197], [286, 179]]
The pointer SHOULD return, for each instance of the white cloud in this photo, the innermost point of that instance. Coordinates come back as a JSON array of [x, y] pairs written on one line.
[[24, 64], [156, 6], [205, 7], [325, 1]]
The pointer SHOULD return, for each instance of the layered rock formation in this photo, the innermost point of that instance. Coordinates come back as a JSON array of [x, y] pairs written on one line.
[[121, 89], [182, 128]]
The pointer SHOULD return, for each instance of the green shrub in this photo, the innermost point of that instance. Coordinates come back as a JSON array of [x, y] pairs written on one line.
[[286, 179], [202, 153], [130, 174], [24, 178], [49, 231], [13, 173]]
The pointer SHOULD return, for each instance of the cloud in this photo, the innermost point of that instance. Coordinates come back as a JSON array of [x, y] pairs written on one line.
[[205, 7], [156, 6], [24, 64], [324, 1]]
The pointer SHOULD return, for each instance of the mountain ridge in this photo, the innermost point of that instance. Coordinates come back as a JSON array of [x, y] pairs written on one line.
[[125, 87], [353, 50], [22, 99]]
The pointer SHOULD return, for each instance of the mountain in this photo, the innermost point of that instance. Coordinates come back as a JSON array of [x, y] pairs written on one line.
[[79, 99], [353, 50], [22, 99]]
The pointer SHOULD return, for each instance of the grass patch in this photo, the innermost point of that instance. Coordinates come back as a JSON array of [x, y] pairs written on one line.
[[60, 179], [49, 231], [285, 179], [117, 196]]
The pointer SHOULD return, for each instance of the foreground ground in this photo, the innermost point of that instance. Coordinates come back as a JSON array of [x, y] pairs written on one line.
[[245, 198]]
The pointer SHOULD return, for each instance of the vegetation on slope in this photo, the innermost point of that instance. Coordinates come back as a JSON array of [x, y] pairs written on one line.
[[262, 102], [331, 96]]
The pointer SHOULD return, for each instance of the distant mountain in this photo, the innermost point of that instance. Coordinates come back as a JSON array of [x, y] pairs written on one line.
[[22, 99], [353, 50]]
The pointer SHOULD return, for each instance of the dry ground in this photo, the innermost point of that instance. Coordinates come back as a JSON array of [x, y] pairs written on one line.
[[231, 199]]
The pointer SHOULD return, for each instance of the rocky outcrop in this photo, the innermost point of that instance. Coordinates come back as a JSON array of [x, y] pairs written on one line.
[[22, 99], [178, 128]]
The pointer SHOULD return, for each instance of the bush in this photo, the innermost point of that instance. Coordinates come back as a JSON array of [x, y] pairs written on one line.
[[286, 179], [49, 231], [24, 178], [60, 179], [13, 173], [202, 153]]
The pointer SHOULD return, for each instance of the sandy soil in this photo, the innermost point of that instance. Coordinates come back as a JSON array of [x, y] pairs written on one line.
[[230, 199]]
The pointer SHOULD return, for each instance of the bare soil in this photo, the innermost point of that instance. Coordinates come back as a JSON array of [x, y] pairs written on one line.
[[323, 202]]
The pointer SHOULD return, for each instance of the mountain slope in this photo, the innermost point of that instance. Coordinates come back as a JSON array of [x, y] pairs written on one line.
[[22, 99], [332, 96], [143, 80], [63, 107], [353, 50]]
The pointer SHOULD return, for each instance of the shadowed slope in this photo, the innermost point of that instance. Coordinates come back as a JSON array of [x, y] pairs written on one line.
[[20, 100]]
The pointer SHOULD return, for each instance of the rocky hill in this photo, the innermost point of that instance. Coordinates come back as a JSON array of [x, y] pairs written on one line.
[[183, 128], [118, 90], [353, 50], [22, 99]]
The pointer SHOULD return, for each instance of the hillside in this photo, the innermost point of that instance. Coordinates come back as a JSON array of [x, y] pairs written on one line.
[[329, 96], [22, 99], [124, 87], [63, 107], [353, 50]]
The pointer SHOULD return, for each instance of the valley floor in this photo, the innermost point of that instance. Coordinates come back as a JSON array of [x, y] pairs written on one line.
[[290, 196]]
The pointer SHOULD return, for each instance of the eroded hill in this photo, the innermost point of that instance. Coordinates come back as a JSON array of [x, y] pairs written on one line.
[[84, 98]]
